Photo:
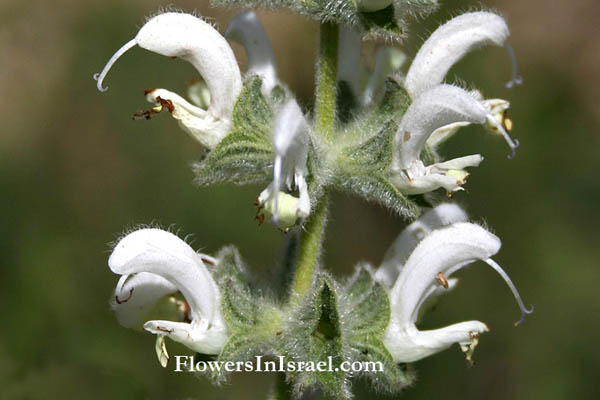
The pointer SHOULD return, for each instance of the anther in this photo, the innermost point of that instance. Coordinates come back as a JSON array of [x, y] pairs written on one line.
[[515, 292], [441, 280], [497, 126]]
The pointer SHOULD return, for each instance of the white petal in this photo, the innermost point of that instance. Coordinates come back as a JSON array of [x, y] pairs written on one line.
[[164, 254], [136, 295], [436, 107], [290, 140], [425, 183], [245, 29], [198, 337], [395, 257], [387, 61], [198, 123], [449, 43], [445, 251], [459, 163], [444, 133], [191, 39], [409, 344]]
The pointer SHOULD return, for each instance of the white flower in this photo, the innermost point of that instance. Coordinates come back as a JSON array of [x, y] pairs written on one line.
[[191, 39], [290, 140], [246, 29], [432, 262], [449, 43], [437, 107], [397, 254], [446, 46], [155, 263]]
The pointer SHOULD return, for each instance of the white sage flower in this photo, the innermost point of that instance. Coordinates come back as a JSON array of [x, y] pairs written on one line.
[[155, 263], [446, 46], [290, 141], [437, 107], [245, 29], [191, 39], [498, 121], [397, 254], [449, 43], [433, 261]]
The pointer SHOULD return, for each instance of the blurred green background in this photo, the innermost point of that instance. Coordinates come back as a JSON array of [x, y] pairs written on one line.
[[76, 172]]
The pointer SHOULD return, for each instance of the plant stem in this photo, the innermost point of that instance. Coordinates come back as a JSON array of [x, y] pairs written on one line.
[[310, 248], [310, 242], [327, 80]]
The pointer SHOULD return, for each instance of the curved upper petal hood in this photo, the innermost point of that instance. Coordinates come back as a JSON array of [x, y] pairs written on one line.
[[436, 258], [397, 254], [153, 263], [136, 295], [162, 253], [449, 43], [436, 107], [445, 250], [188, 37]]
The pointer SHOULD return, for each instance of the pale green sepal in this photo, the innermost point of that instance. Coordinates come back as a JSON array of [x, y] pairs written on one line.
[[252, 319], [245, 155], [313, 333], [366, 311]]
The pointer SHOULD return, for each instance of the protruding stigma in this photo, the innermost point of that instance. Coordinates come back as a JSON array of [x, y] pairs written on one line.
[[512, 143], [513, 289], [100, 77], [516, 79]]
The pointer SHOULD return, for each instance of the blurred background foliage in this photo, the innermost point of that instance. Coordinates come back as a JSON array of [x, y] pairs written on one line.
[[76, 172]]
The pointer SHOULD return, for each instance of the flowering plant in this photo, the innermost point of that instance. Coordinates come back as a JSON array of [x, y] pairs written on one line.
[[377, 137]]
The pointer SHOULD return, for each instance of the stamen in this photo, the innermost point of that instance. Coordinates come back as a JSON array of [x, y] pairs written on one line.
[[100, 77], [208, 259], [516, 79], [119, 289], [515, 292], [512, 143]]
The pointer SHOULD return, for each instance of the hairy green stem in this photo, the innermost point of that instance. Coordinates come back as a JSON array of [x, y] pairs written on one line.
[[310, 247], [312, 237], [327, 79]]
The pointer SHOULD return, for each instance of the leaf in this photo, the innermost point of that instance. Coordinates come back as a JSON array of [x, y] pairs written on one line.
[[312, 335], [367, 308], [368, 300], [326, 340], [394, 103], [245, 155]]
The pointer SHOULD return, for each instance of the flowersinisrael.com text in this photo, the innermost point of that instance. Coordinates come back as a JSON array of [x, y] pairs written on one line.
[[188, 364]]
